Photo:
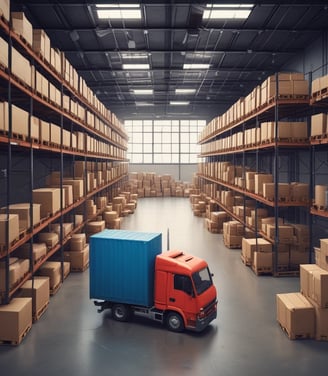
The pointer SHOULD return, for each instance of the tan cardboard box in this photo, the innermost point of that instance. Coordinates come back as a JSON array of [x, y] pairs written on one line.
[[321, 321], [39, 290], [41, 43], [14, 273], [12, 222], [296, 315], [320, 192], [22, 26], [16, 319], [298, 257], [259, 180], [306, 279], [318, 124], [77, 184], [320, 287], [50, 238], [67, 194], [39, 250], [78, 242], [51, 269], [49, 198], [4, 53], [23, 212], [55, 134], [5, 9], [67, 228], [78, 259], [44, 132], [95, 226], [262, 260], [324, 246], [21, 67]]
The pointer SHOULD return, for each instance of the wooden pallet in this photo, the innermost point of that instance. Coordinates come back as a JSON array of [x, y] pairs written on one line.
[[232, 246], [294, 336], [80, 270], [20, 338], [245, 261], [3, 247], [54, 290], [287, 273], [262, 271], [40, 312]]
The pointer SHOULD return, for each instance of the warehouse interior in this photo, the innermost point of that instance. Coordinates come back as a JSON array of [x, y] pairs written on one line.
[[203, 122]]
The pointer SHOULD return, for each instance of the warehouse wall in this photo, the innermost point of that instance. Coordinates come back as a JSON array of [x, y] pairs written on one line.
[[179, 172], [314, 59]]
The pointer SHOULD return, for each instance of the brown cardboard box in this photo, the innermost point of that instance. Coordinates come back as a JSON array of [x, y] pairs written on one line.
[[51, 269], [77, 185], [249, 246], [5, 9], [318, 124], [39, 250], [21, 67], [321, 321], [306, 279], [78, 259], [78, 242], [50, 238], [259, 180], [320, 193], [14, 273], [22, 26], [16, 319], [12, 221], [44, 136], [23, 212], [324, 246], [54, 134], [320, 287], [67, 195], [49, 198], [95, 226], [262, 261], [296, 315], [67, 228], [39, 290], [4, 52], [41, 43]]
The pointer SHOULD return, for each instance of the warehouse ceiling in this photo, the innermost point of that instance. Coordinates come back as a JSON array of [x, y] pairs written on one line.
[[135, 62]]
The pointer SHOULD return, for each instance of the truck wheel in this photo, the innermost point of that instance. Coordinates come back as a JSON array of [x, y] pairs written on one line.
[[121, 312], [174, 322]]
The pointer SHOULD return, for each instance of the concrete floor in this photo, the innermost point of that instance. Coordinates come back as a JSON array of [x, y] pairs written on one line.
[[71, 338]]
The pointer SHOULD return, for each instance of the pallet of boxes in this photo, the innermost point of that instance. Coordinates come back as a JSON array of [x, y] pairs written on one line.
[[214, 218], [304, 314], [77, 253]]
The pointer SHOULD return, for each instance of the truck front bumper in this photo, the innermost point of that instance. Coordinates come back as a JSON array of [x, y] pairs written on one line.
[[201, 324]]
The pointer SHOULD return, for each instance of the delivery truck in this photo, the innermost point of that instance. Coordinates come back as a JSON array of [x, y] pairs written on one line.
[[130, 275]]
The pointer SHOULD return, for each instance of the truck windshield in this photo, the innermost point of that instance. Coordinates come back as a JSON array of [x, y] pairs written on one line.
[[202, 280]]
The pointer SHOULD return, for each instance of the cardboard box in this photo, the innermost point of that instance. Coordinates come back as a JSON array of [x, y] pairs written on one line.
[[77, 184], [306, 279], [320, 195], [318, 124], [78, 242], [262, 261], [296, 315], [4, 53], [21, 67], [95, 226], [50, 238], [22, 26], [16, 319], [24, 214], [44, 136], [78, 259], [67, 194], [5, 9], [39, 250], [259, 180], [41, 43], [14, 273], [49, 198], [11, 222], [321, 321], [51, 269], [320, 287], [39, 291]]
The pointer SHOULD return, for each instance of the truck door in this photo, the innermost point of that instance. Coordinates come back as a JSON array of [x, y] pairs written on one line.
[[181, 295]]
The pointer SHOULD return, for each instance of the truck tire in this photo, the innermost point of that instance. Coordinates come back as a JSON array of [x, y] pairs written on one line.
[[174, 322], [121, 312]]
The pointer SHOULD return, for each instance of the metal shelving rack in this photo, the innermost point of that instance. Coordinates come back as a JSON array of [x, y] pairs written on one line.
[[26, 156], [275, 110]]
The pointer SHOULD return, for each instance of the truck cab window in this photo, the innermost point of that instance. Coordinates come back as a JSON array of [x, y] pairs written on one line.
[[202, 280], [183, 283]]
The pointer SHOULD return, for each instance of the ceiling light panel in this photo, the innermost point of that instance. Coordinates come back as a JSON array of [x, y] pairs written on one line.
[[196, 66], [179, 103], [227, 11], [135, 66], [119, 11], [143, 91], [185, 91]]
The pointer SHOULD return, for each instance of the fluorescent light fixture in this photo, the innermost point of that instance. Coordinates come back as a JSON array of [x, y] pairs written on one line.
[[144, 104], [143, 91], [185, 91], [179, 103], [227, 11], [119, 11], [196, 66], [135, 66], [131, 56]]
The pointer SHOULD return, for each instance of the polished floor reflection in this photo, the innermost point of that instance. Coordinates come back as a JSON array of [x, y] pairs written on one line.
[[71, 338]]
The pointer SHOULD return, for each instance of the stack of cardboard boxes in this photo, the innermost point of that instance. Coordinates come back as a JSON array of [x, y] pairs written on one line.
[[233, 232], [304, 314]]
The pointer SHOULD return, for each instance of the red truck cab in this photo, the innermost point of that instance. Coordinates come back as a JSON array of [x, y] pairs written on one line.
[[184, 290]]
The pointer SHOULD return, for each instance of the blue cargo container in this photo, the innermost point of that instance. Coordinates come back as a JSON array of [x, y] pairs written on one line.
[[122, 265]]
